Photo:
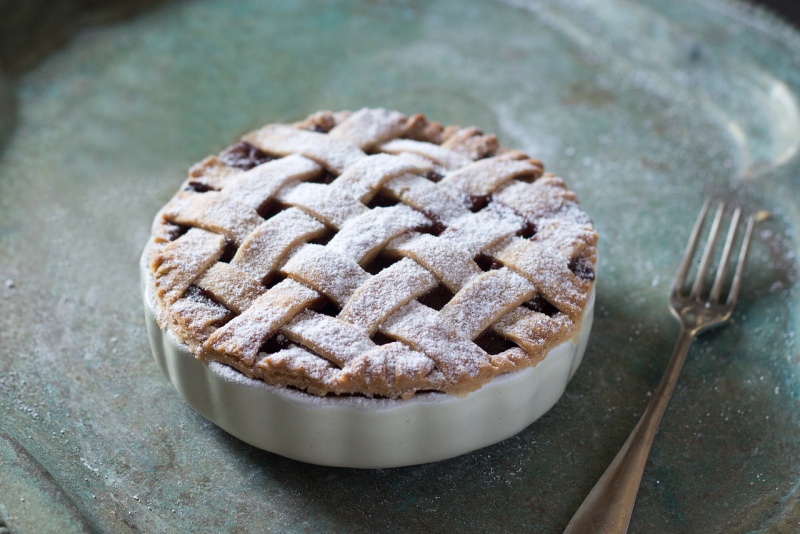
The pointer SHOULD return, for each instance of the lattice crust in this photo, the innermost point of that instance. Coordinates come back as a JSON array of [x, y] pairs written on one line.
[[374, 254]]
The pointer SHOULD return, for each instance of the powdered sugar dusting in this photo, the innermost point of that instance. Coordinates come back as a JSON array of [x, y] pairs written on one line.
[[455, 217], [296, 365], [333, 154], [368, 127], [421, 194], [446, 260], [332, 274], [183, 260], [244, 335], [532, 330], [425, 330], [215, 212], [549, 272], [364, 179], [538, 199], [259, 184], [449, 159], [332, 206], [392, 369], [484, 176], [478, 231], [487, 298], [232, 287], [335, 340], [384, 293], [264, 248], [199, 314], [361, 238]]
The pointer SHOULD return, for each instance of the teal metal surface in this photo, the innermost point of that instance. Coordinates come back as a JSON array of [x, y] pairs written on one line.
[[644, 107]]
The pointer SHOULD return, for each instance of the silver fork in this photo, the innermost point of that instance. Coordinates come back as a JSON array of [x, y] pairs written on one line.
[[609, 505]]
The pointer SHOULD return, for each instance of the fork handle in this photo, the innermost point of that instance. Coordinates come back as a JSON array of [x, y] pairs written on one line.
[[608, 507]]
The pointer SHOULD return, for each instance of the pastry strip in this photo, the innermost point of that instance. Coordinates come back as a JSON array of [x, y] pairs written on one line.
[[230, 286], [423, 195], [259, 184], [549, 272], [333, 154], [368, 127], [216, 212], [385, 293], [448, 262], [327, 204], [364, 179], [445, 157], [333, 339], [484, 176], [328, 272], [485, 300], [263, 250], [422, 329], [243, 336], [533, 331], [363, 237], [391, 370], [181, 262]]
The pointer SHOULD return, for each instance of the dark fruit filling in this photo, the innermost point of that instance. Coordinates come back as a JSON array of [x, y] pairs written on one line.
[[435, 227], [434, 177], [541, 305], [582, 268], [229, 252], [478, 202], [382, 201], [325, 177], [487, 263], [527, 231], [494, 344], [244, 156], [275, 344], [199, 187], [437, 298]]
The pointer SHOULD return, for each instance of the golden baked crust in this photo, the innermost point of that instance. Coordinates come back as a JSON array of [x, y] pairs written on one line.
[[372, 253]]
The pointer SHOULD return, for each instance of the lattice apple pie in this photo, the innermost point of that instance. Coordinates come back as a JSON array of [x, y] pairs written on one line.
[[372, 254]]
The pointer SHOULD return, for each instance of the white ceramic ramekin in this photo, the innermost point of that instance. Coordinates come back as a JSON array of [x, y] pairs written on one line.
[[362, 432]]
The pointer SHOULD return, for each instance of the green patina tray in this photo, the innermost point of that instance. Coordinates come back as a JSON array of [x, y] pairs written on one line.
[[645, 107]]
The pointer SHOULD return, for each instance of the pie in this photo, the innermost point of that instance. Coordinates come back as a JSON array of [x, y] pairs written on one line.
[[374, 254]]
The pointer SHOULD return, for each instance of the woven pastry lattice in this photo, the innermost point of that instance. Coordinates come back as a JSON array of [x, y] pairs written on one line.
[[372, 253]]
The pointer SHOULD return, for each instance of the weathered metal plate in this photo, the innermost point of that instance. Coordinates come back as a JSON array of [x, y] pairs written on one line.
[[645, 107]]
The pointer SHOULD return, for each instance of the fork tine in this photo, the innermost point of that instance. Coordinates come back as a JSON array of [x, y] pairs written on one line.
[[737, 277], [691, 246], [726, 256], [713, 235]]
